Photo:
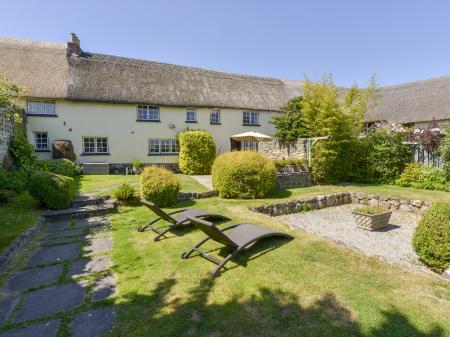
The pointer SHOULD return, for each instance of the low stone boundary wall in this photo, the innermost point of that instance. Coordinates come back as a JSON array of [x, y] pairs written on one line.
[[337, 199], [183, 196], [12, 250], [293, 180]]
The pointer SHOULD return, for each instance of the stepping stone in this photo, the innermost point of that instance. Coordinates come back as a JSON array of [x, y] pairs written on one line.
[[98, 246], [33, 278], [44, 302], [61, 234], [55, 254], [92, 221], [45, 329], [61, 241], [93, 323], [104, 288], [89, 266], [8, 301], [59, 226]]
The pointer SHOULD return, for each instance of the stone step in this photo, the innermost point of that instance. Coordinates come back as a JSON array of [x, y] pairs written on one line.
[[81, 211], [87, 199]]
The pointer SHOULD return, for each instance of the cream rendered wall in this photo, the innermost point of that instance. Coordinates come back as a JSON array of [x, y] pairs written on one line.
[[127, 138]]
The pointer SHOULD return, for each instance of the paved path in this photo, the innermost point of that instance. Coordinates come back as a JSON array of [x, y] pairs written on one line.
[[392, 243], [205, 180], [67, 274]]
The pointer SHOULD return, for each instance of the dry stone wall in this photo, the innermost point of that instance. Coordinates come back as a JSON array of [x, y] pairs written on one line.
[[283, 150]]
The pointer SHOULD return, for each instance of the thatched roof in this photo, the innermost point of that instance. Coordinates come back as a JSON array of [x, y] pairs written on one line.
[[413, 102], [48, 70]]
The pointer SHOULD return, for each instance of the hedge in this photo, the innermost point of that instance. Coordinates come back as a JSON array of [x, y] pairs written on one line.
[[243, 175], [14, 180], [64, 167], [197, 152], [431, 238], [53, 190], [160, 186], [424, 176]]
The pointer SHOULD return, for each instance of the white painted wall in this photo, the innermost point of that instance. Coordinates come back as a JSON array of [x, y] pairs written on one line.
[[127, 138]]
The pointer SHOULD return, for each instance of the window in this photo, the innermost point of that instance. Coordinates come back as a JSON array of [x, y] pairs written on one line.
[[39, 107], [191, 115], [162, 146], [95, 145], [40, 141], [249, 146], [250, 118], [148, 113], [214, 117]]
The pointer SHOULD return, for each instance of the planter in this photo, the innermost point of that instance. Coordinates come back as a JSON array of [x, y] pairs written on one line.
[[372, 222], [290, 169]]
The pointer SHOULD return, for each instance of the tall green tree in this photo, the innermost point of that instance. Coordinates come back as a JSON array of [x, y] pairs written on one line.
[[290, 124]]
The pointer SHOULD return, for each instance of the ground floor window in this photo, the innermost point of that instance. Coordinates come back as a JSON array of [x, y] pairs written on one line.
[[249, 146], [40, 141], [162, 146], [95, 145], [214, 117]]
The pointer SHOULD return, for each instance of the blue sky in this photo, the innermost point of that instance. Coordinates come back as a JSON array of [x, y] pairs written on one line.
[[397, 40]]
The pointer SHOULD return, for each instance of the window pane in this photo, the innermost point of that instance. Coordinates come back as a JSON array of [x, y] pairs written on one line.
[[215, 117], [102, 145], [191, 115], [148, 112], [249, 146], [154, 146], [41, 140], [89, 145], [41, 107]]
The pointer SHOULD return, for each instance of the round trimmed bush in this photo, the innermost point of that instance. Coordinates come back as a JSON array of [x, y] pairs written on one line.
[[125, 193], [159, 186], [197, 152], [243, 175], [431, 239], [53, 190]]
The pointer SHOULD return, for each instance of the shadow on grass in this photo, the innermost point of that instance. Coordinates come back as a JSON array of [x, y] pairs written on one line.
[[270, 312]]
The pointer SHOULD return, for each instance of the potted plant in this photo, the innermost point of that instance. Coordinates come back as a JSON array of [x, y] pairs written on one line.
[[371, 217], [137, 164]]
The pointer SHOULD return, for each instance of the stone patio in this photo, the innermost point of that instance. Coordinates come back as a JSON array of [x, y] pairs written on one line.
[[60, 277], [392, 243]]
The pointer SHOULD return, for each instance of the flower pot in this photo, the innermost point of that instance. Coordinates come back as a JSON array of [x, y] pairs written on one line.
[[372, 222]]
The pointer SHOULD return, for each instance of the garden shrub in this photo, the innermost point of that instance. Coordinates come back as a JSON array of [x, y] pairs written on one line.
[[125, 193], [53, 190], [290, 161], [64, 167], [22, 151], [431, 238], [424, 176], [160, 186], [381, 157], [197, 152], [63, 149], [7, 196], [243, 175], [14, 180], [444, 150]]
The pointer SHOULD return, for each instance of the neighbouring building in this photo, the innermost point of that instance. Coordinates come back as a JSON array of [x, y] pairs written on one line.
[[115, 109]]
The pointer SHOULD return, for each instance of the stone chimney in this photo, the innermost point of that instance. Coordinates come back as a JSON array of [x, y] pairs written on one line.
[[73, 47]]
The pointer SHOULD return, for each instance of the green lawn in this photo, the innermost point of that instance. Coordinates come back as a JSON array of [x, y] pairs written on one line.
[[16, 217], [305, 287], [105, 184]]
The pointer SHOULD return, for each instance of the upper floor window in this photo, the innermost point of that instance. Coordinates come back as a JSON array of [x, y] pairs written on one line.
[[191, 115], [162, 146], [41, 107], [95, 145], [250, 118], [148, 113], [214, 117], [40, 141]]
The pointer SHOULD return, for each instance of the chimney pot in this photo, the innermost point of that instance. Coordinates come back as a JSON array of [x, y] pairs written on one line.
[[73, 47]]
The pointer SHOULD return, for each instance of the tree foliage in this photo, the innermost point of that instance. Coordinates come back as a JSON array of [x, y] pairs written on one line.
[[8, 94], [444, 150], [290, 124]]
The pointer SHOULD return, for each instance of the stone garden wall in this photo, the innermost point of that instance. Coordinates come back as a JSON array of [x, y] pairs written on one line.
[[293, 180], [337, 199], [183, 196], [283, 150]]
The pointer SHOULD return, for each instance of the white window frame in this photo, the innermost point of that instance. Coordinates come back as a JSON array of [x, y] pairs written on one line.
[[249, 146], [40, 107], [163, 146], [191, 115], [36, 141], [250, 118], [148, 113], [95, 145], [214, 116]]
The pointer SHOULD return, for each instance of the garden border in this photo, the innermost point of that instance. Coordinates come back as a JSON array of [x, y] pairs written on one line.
[[185, 196], [21, 241], [342, 198]]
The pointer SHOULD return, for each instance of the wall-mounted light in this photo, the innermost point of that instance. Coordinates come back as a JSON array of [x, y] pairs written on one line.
[[171, 126], [70, 129], [64, 123]]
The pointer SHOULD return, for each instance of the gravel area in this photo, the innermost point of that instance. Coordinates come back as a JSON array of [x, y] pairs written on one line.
[[392, 243]]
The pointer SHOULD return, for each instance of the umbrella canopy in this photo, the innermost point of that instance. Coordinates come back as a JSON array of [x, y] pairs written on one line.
[[251, 137]]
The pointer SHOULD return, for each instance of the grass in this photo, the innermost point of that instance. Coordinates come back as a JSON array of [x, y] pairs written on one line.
[[105, 184], [308, 286], [16, 217]]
